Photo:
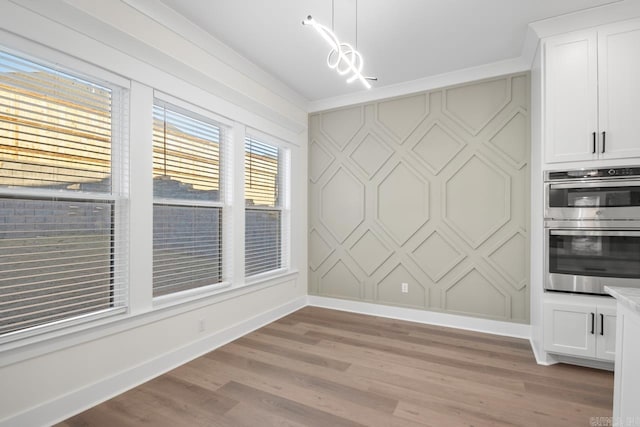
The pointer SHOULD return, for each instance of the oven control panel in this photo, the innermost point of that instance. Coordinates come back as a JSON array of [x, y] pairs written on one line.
[[624, 172]]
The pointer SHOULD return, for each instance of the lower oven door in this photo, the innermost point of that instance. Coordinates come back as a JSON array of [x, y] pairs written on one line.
[[586, 261]]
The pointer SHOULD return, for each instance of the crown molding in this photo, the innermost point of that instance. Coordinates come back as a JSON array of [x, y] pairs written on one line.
[[615, 11], [494, 69]]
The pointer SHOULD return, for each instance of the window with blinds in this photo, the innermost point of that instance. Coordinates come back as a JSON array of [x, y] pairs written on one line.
[[187, 210], [62, 237], [263, 185]]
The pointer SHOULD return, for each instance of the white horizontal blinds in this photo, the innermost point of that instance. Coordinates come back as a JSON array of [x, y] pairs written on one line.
[[62, 257], [187, 212], [263, 207], [55, 129]]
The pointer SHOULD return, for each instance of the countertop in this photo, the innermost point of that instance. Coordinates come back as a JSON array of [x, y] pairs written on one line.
[[627, 296]]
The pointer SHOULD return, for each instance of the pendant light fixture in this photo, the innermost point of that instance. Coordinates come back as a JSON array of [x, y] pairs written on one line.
[[342, 57]]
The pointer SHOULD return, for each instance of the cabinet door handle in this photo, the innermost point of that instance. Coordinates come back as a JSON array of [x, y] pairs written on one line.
[[594, 144], [601, 324], [593, 323], [604, 140]]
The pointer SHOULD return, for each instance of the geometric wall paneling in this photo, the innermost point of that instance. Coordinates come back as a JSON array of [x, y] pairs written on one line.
[[319, 160], [510, 139], [473, 293], [473, 106], [400, 116], [403, 203], [371, 154], [340, 281], [431, 190], [319, 249], [341, 126], [369, 252], [519, 91], [477, 200], [509, 258], [342, 204], [437, 147], [519, 305], [436, 256], [388, 290]]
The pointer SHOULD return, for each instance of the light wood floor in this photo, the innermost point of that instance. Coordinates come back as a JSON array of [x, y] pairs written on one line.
[[328, 368]]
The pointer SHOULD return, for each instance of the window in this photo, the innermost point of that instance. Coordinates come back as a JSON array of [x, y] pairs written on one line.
[[187, 210], [264, 202], [62, 191]]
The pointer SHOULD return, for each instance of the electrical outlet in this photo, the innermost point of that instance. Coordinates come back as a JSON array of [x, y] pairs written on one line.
[[404, 287], [201, 325]]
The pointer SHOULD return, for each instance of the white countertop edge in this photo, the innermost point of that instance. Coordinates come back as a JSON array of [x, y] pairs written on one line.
[[627, 296]]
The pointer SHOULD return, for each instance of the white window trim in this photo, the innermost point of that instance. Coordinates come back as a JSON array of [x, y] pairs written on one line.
[[285, 210], [141, 309], [57, 60], [189, 107], [119, 181], [225, 190]]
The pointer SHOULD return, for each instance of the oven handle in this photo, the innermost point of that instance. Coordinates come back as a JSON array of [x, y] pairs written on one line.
[[614, 233], [616, 182]]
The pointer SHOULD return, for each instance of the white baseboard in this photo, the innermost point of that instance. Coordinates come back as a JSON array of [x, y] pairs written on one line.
[[542, 357], [589, 363], [496, 327], [79, 400]]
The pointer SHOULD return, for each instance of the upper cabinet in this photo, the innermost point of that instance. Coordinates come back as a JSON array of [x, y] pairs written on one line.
[[592, 94]]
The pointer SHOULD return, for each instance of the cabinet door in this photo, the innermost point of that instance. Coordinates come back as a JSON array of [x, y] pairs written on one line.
[[619, 90], [606, 338], [568, 329], [571, 97]]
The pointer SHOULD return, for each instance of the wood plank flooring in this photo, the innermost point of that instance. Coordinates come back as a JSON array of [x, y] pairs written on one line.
[[319, 367]]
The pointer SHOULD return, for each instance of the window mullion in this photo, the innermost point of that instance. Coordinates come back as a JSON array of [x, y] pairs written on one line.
[[141, 201]]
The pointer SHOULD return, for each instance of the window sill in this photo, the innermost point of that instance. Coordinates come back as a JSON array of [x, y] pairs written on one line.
[[269, 275], [30, 347]]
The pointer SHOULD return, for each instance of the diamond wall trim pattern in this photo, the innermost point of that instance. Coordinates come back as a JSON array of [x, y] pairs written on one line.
[[431, 190], [371, 154], [339, 127], [437, 147], [400, 117], [436, 256], [475, 116], [319, 161]]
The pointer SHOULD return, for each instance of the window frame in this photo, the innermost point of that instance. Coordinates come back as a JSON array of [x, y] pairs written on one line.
[[118, 194], [223, 204], [284, 192]]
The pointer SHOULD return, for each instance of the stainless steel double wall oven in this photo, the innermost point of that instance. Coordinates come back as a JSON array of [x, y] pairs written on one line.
[[592, 229]]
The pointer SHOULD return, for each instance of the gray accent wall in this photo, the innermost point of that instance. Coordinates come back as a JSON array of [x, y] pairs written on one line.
[[431, 190]]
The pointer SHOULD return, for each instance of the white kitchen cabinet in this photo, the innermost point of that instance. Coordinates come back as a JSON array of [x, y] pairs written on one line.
[[619, 90], [582, 326], [592, 94], [606, 338]]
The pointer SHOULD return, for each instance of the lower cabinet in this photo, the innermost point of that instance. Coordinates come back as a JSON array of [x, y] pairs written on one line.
[[582, 326]]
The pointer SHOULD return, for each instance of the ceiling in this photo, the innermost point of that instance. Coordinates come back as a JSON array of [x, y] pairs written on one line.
[[400, 40]]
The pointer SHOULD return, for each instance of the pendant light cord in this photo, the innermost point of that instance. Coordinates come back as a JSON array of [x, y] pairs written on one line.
[[356, 24], [333, 15]]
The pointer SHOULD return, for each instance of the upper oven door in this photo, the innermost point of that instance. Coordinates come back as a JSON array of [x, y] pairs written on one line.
[[593, 200]]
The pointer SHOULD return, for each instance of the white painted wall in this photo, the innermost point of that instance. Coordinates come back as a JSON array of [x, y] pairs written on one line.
[[46, 380]]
